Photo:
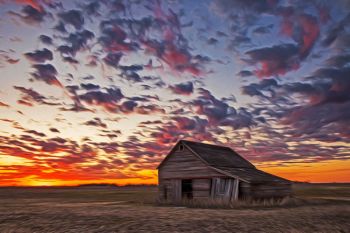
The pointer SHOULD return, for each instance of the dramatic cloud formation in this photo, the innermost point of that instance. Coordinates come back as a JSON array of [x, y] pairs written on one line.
[[182, 88], [276, 60], [39, 56], [46, 73], [99, 91]]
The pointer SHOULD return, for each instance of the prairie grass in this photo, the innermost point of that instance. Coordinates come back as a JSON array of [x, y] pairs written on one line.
[[239, 204], [119, 209]]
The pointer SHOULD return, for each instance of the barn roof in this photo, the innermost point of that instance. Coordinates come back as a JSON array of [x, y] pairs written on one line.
[[218, 156], [225, 160], [253, 175]]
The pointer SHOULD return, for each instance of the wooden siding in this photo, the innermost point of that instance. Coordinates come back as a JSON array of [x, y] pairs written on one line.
[[170, 189], [265, 190], [225, 189], [201, 188], [185, 165]]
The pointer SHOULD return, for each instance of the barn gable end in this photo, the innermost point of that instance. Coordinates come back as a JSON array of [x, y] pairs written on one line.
[[182, 163]]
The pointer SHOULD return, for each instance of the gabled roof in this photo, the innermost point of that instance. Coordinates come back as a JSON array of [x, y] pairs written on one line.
[[226, 161], [254, 175], [218, 156]]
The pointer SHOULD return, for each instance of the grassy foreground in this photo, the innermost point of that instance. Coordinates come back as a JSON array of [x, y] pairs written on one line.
[[325, 208]]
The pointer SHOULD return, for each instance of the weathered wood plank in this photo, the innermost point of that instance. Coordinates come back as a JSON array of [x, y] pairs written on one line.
[[197, 193], [235, 191], [183, 164], [201, 184], [213, 187], [228, 190]]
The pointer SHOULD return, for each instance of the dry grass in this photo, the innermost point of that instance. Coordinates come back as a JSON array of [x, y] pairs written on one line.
[[241, 204], [133, 210]]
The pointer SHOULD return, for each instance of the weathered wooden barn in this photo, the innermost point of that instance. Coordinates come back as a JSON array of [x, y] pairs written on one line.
[[195, 170]]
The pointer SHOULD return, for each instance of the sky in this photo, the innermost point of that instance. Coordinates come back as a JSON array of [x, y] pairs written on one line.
[[99, 91]]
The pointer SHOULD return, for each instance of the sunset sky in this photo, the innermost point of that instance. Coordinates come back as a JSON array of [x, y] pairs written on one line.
[[99, 91]]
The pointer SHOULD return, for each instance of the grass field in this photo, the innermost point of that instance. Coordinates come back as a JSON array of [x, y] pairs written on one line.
[[324, 208]]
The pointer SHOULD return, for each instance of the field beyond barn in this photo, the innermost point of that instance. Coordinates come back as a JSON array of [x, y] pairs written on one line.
[[325, 208]]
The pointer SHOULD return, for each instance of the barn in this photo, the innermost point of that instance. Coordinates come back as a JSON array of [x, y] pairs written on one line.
[[200, 171]]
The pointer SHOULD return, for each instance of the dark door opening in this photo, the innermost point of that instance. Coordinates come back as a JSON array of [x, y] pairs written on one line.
[[186, 187]]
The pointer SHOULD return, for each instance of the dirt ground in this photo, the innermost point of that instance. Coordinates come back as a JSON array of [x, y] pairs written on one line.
[[133, 210]]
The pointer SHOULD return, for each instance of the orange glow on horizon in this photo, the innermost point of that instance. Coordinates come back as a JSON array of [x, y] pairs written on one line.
[[322, 172], [325, 172]]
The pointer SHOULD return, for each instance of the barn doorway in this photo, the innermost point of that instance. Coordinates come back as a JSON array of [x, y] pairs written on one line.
[[187, 190]]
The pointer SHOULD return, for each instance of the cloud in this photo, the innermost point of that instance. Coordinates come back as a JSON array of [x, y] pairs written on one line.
[[33, 3], [92, 8], [29, 96], [245, 73], [297, 112], [130, 73], [263, 29], [303, 27], [30, 15], [226, 7], [185, 123], [334, 83], [3, 104], [35, 133], [109, 148], [309, 33], [113, 38], [39, 56], [275, 60], [171, 48], [219, 113], [97, 122], [338, 61], [79, 40], [132, 76], [70, 60], [111, 134], [180, 60], [258, 89], [66, 50], [54, 130], [47, 40], [46, 73], [108, 99], [182, 88], [60, 27], [337, 30], [112, 59], [89, 86], [316, 109], [72, 17], [128, 106], [149, 109]]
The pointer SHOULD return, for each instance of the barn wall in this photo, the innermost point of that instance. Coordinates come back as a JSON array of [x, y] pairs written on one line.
[[169, 189], [224, 188], [201, 188], [271, 190], [185, 165], [245, 190], [265, 190]]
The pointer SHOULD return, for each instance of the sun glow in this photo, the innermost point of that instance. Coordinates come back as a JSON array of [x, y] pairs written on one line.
[[313, 172]]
